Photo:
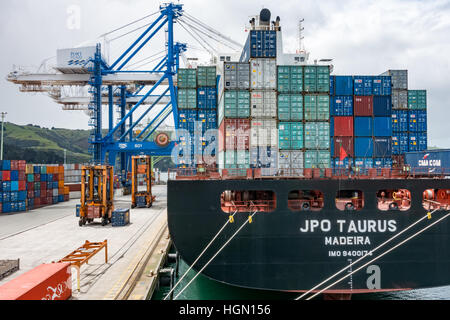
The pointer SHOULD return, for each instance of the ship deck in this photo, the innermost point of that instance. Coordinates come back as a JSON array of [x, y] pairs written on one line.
[[48, 234]]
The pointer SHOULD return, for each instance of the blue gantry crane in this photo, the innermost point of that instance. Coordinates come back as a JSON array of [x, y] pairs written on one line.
[[136, 93]]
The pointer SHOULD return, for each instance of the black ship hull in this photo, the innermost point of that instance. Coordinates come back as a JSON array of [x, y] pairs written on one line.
[[285, 250]]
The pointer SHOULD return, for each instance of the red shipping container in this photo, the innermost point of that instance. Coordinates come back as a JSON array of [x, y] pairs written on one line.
[[49, 200], [50, 194], [30, 194], [234, 134], [343, 126], [6, 176], [1, 208], [43, 185], [22, 176], [363, 106], [46, 282], [37, 177], [14, 165], [22, 186], [30, 186], [55, 177], [346, 143], [22, 165], [37, 202], [43, 200]]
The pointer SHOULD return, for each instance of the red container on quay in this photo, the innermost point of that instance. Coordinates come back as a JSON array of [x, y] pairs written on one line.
[[45, 282], [22, 176], [22, 186], [43, 185], [363, 106], [14, 165], [235, 135], [37, 177], [22, 165], [343, 126], [346, 143]]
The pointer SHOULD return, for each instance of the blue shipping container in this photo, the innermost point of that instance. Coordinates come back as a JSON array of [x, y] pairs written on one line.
[[332, 80], [207, 98], [382, 127], [14, 185], [363, 147], [423, 141], [430, 161], [382, 106], [364, 163], [363, 127], [6, 186], [260, 44], [413, 120], [14, 175], [382, 86], [341, 106], [382, 147], [6, 165], [421, 120], [362, 85], [343, 86], [399, 121], [400, 143], [120, 217]]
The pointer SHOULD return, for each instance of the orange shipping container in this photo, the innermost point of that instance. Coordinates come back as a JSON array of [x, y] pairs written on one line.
[[61, 184], [45, 282], [61, 169]]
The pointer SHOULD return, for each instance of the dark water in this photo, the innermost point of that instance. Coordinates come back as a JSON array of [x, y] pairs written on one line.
[[204, 288]]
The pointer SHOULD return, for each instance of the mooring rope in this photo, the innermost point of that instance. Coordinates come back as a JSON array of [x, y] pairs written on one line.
[[215, 255], [201, 254], [375, 259]]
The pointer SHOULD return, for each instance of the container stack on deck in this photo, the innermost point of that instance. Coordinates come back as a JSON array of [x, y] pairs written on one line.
[[234, 115], [26, 186]]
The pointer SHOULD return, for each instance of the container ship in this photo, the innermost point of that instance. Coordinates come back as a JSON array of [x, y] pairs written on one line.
[[324, 168]]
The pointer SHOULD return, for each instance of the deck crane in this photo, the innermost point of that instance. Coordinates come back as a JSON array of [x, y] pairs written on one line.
[[135, 92]]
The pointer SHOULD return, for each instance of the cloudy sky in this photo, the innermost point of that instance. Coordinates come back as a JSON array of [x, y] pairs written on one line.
[[363, 37]]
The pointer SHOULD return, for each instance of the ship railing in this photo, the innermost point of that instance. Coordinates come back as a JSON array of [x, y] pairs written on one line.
[[249, 206]]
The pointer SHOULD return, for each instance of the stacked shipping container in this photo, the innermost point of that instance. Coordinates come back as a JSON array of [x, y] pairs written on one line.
[[197, 113], [26, 187]]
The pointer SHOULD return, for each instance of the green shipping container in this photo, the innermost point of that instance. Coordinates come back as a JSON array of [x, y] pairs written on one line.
[[206, 76], [290, 135], [290, 79], [187, 98], [323, 107], [290, 107], [187, 78], [310, 79], [310, 107], [236, 104], [317, 79], [417, 99], [317, 159], [323, 79]]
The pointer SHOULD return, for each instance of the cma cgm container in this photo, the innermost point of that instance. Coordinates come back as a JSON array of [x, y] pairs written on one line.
[[260, 44], [263, 104], [236, 75], [429, 161], [290, 79], [290, 107], [263, 74]]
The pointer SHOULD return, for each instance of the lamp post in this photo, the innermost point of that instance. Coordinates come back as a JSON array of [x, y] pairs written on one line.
[[3, 120]]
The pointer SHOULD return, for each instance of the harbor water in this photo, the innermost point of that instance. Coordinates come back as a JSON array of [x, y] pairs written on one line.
[[203, 288]]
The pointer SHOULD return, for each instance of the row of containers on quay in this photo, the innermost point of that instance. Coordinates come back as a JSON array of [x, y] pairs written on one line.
[[285, 118], [25, 187]]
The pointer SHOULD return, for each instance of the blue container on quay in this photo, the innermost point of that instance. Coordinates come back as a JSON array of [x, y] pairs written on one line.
[[382, 126], [363, 147], [342, 106], [60, 198], [120, 217], [37, 169], [21, 206], [363, 126], [382, 106], [6, 207], [343, 85], [6, 197], [14, 196], [44, 177], [22, 195], [14, 207], [1, 197]]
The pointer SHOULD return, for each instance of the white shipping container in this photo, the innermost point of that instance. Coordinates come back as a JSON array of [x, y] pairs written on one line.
[[264, 132], [263, 74], [264, 104], [291, 163], [69, 60]]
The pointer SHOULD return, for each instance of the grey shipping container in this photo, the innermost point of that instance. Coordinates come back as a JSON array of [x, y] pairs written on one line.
[[236, 75], [291, 163], [399, 78], [399, 99], [263, 104], [264, 132], [263, 74]]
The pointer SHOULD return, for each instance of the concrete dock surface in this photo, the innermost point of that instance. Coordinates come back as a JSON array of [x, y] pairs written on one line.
[[48, 234]]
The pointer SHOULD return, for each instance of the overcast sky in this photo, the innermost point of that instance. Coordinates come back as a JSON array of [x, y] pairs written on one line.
[[363, 37]]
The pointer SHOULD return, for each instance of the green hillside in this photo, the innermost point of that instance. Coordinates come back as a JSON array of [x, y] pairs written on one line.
[[42, 145]]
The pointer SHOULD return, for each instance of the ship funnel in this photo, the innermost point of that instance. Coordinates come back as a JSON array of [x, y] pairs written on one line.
[[264, 17]]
